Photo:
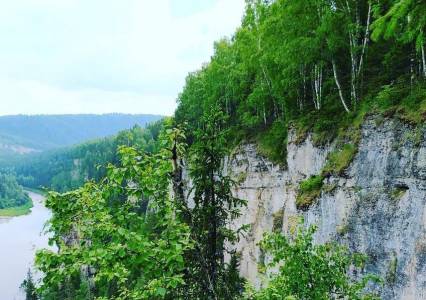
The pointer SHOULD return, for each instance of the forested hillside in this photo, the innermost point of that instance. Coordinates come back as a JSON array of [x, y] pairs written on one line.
[[68, 168], [24, 134], [160, 225], [11, 194], [319, 65]]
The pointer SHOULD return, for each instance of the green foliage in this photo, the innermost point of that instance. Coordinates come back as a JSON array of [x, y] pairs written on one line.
[[398, 192], [391, 273], [396, 100], [295, 62], [277, 69], [310, 271], [273, 142], [121, 232], [405, 21], [29, 287], [309, 191], [12, 194], [210, 218], [339, 160], [68, 168], [17, 210]]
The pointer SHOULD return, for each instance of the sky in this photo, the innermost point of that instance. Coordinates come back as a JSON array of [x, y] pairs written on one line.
[[103, 56]]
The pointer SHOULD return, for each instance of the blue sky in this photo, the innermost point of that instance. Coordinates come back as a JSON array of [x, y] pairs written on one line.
[[97, 56]]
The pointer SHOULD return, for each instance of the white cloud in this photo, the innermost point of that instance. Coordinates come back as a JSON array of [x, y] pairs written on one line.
[[64, 56]]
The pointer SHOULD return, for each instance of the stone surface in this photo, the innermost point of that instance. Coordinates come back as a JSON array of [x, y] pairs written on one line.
[[378, 206]]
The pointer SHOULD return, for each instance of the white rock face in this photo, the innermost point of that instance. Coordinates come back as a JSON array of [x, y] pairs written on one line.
[[378, 207]]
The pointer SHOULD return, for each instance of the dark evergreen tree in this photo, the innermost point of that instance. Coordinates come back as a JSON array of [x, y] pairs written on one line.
[[29, 287], [209, 274]]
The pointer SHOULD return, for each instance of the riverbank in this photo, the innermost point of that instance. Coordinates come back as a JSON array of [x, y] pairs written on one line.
[[20, 238], [36, 191], [24, 209], [17, 211]]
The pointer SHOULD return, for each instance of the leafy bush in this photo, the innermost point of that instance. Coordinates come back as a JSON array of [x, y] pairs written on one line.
[[132, 252], [309, 190], [310, 271], [273, 142], [339, 160]]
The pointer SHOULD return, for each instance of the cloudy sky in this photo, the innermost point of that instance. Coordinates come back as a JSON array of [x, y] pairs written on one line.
[[98, 56]]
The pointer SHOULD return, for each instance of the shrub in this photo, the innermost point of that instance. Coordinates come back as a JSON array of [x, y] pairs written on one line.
[[273, 142], [339, 160], [309, 191], [310, 271]]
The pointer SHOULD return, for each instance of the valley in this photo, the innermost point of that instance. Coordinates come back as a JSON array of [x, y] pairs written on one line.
[[292, 165], [20, 238]]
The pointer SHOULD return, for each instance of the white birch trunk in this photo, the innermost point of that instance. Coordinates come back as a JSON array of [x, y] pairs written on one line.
[[423, 60], [357, 59], [366, 40], [317, 86], [336, 79]]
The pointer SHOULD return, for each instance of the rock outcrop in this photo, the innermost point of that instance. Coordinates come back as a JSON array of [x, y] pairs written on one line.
[[377, 207]]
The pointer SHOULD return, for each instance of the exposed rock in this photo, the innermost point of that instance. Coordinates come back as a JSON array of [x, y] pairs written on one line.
[[378, 207]]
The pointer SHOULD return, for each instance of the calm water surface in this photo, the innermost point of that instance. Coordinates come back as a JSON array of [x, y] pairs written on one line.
[[20, 237]]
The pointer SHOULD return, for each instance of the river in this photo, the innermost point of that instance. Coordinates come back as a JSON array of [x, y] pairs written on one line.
[[20, 238]]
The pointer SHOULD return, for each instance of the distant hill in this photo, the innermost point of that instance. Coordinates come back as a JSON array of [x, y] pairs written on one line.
[[25, 134], [68, 168]]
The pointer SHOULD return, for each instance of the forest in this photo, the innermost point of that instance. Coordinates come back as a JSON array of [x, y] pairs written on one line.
[[11, 193], [68, 168], [23, 134], [318, 66]]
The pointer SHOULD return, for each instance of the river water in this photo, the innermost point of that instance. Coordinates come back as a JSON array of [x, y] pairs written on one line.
[[20, 237]]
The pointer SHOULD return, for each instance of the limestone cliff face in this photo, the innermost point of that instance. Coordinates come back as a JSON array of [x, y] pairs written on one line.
[[377, 207]]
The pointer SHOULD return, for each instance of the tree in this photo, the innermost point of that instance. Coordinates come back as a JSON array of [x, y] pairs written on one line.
[[29, 287], [310, 271], [117, 239], [405, 20], [11, 193], [209, 276]]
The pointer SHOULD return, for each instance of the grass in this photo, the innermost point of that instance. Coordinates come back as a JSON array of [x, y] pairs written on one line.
[[342, 229], [311, 188], [408, 105], [16, 211], [241, 177], [309, 191], [398, 192], [392, 269], [338, 161], [329, 188]]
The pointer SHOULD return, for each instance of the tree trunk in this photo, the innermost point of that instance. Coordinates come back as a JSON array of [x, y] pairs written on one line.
[[317, 86], [366, 40], [423, 60], [336, 79]]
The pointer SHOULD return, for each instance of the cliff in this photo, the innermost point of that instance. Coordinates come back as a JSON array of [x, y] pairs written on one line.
[[377, 206]]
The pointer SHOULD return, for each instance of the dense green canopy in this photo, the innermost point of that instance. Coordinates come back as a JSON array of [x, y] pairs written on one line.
[[312, 63], [309, 64], [11, 194]]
